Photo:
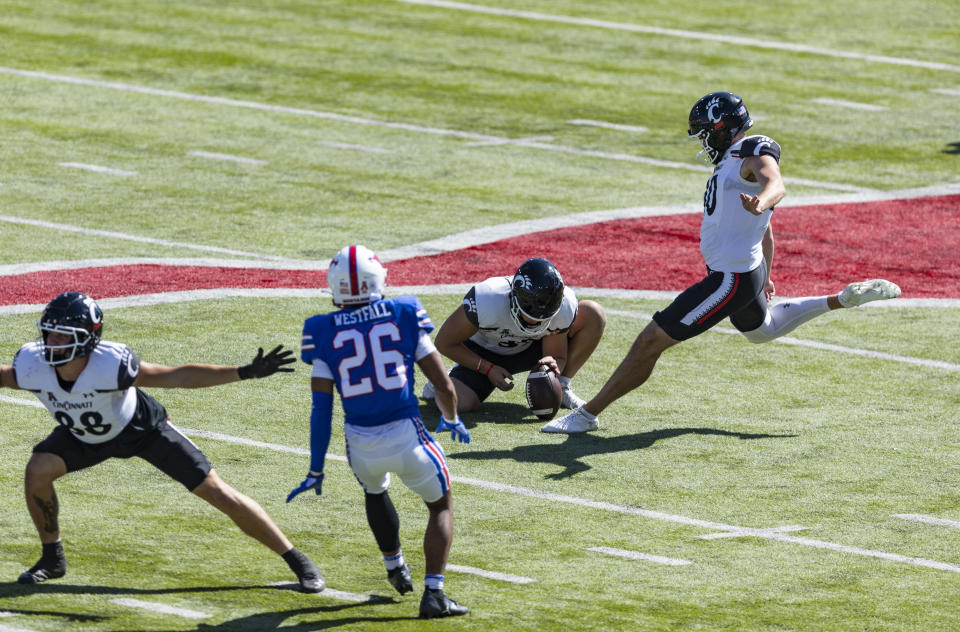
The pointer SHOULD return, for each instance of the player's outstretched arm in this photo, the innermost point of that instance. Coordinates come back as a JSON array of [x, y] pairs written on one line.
[[8, 379], [202, 375]]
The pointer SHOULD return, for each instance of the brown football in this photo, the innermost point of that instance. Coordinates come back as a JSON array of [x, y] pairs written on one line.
[[543, 392]]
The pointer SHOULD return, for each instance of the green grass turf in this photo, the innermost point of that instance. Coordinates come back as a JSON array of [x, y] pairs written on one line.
[[437, 68], [752, 436]]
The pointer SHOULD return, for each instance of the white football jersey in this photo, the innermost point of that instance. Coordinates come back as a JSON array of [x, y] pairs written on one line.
[[730, 235], [99, 404], [487, 306]]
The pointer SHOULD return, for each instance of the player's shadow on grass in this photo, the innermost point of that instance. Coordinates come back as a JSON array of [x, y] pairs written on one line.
[[259, 622], [489, 413], [952, 148], [567, 455], [272, 621]]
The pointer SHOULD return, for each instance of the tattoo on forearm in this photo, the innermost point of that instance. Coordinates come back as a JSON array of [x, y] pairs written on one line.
[[51, 511]]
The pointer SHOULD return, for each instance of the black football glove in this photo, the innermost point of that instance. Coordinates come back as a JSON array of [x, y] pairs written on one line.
[[264, 365]]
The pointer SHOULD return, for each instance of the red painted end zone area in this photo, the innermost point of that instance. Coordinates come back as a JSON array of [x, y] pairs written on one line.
[[818, 250], [915, 243]]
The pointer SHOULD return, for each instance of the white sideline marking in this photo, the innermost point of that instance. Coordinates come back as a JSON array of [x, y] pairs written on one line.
[[506, 577], [372, 150], [853, 105], [330, 592], [161, 608], [98, 169], [47, 266], [696, 35], [146, 240], [636, 555], [448, 243], [929, 520], [462, 240], [946, 91], [604, 124], [227, 157], [604, 506], [389, 124], [734, 534]]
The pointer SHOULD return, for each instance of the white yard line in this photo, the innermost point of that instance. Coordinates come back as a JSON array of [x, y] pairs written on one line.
[[331, 593], [161, 608], [929, 520], [10, 628], [617, 126], [636, 555], [947, 91], [387, 124], [98, 169], [765, 533], [823, 346], [198, 262], [751, 532], [226, 157], [504, 577], [364, 148], [853, 105], [694, 35], [125, 236]]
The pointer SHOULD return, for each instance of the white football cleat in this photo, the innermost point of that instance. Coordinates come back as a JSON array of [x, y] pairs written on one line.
[[572, 423], [857, 294], [570, 399], [428, 391]]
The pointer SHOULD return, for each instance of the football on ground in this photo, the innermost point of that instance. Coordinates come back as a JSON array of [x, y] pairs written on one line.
[[543, 392]]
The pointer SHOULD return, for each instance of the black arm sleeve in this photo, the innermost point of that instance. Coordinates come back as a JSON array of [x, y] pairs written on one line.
[[470, 307]]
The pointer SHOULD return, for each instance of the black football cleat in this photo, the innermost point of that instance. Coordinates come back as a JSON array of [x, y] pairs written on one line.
[[399, 578], [44, 570], [436, 604], [311, 580]]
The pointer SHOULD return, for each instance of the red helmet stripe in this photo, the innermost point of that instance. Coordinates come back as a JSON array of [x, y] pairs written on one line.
[[354, 284]]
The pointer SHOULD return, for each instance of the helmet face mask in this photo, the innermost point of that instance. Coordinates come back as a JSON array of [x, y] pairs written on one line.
[[715, 120], [356, 277], [536, 295], [78, 318]]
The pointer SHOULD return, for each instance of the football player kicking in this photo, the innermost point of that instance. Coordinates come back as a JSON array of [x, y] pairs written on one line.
[[368, 348], [92, 388], [511, 325], [736, 240]]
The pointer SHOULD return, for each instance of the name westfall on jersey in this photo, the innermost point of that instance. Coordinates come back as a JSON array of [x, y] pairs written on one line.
[[103, 400], [369, 352], [487, 306]]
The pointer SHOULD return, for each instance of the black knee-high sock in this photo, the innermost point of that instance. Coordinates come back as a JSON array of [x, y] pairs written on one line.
[[384, 521]]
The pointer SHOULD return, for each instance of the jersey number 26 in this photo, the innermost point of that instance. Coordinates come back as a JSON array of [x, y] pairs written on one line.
[[388, 364]]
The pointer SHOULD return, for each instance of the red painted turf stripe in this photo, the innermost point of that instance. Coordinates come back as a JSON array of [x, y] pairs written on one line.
[[819, 249]]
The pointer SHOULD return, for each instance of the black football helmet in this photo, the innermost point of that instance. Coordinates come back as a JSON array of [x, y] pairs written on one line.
[[715, 120], [536, 294], [75, 315]]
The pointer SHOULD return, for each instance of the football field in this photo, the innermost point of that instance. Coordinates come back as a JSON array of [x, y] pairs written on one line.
[[194, 166]]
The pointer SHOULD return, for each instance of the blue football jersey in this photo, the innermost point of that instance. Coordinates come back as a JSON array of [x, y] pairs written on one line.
[[371, 352]]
